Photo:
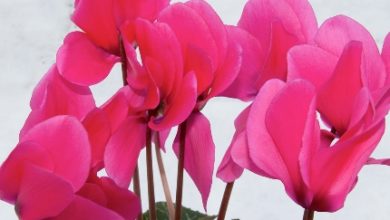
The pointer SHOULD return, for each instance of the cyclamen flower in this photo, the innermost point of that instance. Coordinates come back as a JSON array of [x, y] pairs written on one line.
[[269, 29], [179, 73], [317, 172], [343, 70], [42, 183], [87, 57]]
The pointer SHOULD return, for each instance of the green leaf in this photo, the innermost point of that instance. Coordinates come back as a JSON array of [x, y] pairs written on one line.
[[186, 214]]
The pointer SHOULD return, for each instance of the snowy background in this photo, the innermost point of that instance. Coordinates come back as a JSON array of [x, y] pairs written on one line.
[[32, 30]]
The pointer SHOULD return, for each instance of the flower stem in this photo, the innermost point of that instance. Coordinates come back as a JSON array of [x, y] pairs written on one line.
[[180, 170], [149, 167], [137, 188], [225, 201], [308, 214], [164, 180]]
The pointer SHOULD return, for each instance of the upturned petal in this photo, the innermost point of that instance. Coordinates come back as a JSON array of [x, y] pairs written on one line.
[[97, 20], [336, 32], [123, 148], [82, 62], [65, 139]]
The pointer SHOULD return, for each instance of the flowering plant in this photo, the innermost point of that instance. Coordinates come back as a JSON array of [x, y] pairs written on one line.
[[318, 101]]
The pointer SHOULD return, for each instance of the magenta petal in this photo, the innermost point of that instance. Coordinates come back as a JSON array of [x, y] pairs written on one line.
[[346, 75], [386, 55], [228, 170], [116, 109], [161, 137], [336, 32], [42, 194], [161, 53], [98, 127], [97, 20], [229, 68], [122, 201], [185, 21], [56, 96], [123, 148], [214, 23], [83, 63], [199, 153], [262, 149], [84, 209], [253, 55], [310, 63], [335, 169], [12, 170], [179, 107], [65, 139], [126, 10]]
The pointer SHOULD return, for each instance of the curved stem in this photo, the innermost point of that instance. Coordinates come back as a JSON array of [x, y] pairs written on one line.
[[225, 201], [180, 170], [164, 180], [308, 214], [149, 167]]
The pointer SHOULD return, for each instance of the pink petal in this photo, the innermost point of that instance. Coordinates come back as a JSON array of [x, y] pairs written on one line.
[[116, 109], [98, 127], [200, 63], [296, 17], [286, 128], [120, 200], [93, 192], [97, 20], [240, 154], [310, 63], [386, 56], [253, 55], [84, 209], [336, 32], [65, 139], [228, 170], [199, 153], [229, 68], [347, 75], [42, 194], [335, 169], [276, 65], [161, 53], [214, 24], [126, 10], [56, 96], [278, 25], [123, 148], [179, 107], [83, 63], [12, 170], [186, 21], [262, 149]]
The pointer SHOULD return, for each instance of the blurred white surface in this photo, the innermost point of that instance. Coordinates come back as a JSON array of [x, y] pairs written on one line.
[[31, 32]]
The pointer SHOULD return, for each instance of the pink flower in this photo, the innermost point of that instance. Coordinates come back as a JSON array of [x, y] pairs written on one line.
[[343, 55], [46, 177], [285, 142], [87, 57], [270, 29]]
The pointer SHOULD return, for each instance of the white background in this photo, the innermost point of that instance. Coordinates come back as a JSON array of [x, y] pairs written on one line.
[[32, 30]]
